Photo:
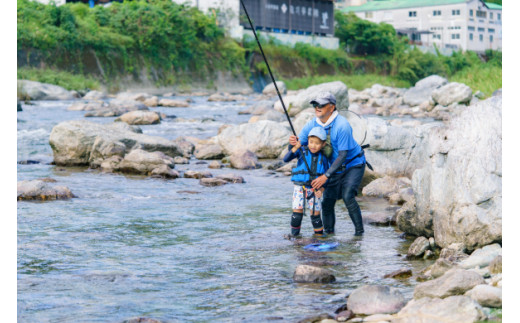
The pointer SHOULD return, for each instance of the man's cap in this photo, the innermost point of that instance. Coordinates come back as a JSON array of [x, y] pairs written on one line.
[[318, 132], [324, 98]]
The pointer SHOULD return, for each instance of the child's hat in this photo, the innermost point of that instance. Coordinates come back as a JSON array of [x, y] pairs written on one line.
[[318, 132]]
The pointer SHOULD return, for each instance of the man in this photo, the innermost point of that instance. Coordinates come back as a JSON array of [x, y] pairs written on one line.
[[348, 162]]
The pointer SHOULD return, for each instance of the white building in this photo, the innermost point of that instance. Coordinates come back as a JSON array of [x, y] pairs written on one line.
[[456, 24]]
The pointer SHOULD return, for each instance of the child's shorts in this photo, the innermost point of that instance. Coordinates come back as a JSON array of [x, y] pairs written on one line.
[[297, 199]]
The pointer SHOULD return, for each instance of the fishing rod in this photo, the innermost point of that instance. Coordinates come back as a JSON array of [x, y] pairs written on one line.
[[276, 87]]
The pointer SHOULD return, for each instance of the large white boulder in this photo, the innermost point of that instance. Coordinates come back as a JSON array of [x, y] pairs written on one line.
[[270, 90], [43, 91], [300, 101], [422, 91], [452, 93], [460, 184], [461, 309], [85, 143], [265, 138]]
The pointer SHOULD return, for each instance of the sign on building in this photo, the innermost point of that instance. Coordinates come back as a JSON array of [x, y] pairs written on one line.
[[290, 16]]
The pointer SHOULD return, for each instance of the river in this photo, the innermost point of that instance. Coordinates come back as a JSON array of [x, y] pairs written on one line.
[[172, 249]]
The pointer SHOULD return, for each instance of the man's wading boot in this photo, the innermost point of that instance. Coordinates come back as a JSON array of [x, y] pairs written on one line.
[[355, 215]]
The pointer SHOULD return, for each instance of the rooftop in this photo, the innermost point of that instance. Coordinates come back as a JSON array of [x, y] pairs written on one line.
[[376, 5]]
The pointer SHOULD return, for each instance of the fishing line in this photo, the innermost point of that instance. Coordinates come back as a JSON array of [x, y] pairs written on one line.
[[275, 86]]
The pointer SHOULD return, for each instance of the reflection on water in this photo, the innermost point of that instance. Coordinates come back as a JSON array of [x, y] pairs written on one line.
[[134, 246]]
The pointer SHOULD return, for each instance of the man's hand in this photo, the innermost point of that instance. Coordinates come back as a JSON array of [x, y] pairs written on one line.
[[293, 140], [318, 182]]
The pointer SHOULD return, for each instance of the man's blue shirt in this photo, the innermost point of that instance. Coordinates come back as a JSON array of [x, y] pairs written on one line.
[[341, 138]]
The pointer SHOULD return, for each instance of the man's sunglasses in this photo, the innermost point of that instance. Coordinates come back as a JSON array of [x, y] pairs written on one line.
[[317, 105]]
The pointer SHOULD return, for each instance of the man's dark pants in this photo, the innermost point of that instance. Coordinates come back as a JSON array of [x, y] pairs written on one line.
[[345, 186]]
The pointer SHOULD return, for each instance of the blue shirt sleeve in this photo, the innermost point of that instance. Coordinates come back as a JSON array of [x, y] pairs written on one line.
[[344, 135]]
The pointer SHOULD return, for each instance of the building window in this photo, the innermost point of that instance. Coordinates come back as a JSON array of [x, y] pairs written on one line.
[[481, 14], [481, 30], [412, 13], [455, 12], [471, 28], [490, 38], [481, 37], [491, 16], [455, 36], [436, 12], [491, 30], [470, 36], [499, 16], [471, 12], [436, 36], [368, 14]]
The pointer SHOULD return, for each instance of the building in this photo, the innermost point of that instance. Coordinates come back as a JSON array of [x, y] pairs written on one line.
[[290, 21], [454, 24]]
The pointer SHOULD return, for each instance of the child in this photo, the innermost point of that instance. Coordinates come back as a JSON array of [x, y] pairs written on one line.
[[318, 165]]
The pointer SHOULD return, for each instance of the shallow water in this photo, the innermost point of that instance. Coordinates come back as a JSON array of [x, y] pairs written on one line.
[[175, 250]]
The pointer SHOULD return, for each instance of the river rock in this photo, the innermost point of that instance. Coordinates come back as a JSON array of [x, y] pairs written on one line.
[[374, 299], [460, 184], [423, 89], [196, 174], [131, 96], [173, 103], [208, 151], [344, 316], [301, 119], [43, 91], [244, 160], [455, 281], [486, 295], [452, 93], [87, 106], [272, 115], [482, 257], [384, 186], [95, 95], [395, 150], [82, 143], [215, 164], [258, 108], [460, 309], [151, 102], [440, 267], [270, 89], [180, 160], [41, 190], [316, 318], [311, 274], [418, 247], [265, 138], [225, 97], [164, 171], [231, 178], [18, 106], [140, 118], [300, 101], [139, 161], [212, 182], [377, 218], [379, 318], [410, 222], [400, 273], [184, 146], [116, 108], [495, 267]]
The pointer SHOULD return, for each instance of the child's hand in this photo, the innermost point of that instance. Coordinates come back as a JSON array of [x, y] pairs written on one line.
[[296, 147], [319, 193]]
